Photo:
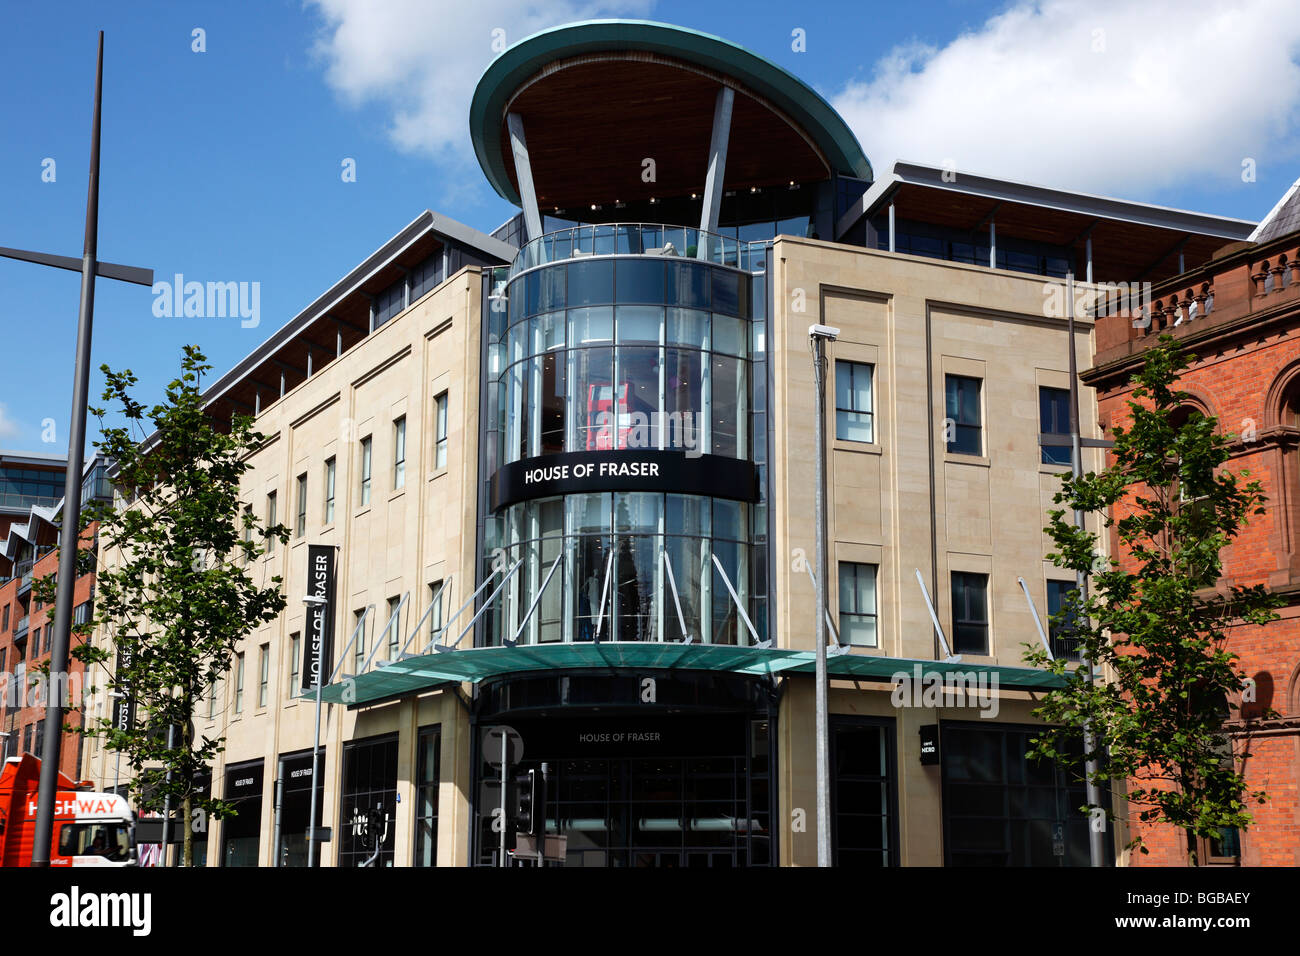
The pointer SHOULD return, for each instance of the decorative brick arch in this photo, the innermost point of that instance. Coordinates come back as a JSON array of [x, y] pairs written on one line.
[[1293, 694], [1285, 383]]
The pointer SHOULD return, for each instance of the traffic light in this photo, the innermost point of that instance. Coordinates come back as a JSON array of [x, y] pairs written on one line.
[[530, 803]]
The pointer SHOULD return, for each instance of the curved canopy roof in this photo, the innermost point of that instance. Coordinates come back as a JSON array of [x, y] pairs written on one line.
[[599, 98]]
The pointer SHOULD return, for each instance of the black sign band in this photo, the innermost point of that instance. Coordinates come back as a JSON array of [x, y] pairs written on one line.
[[318, 649], [710, 476]]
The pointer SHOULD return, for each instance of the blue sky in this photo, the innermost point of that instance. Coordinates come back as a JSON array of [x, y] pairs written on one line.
[[225, 165]]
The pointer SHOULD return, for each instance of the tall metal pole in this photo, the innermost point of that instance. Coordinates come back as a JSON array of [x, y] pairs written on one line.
[[1096, 842], [312, 843], [70, 535], [504, 810], [167, 801], [823, 750]]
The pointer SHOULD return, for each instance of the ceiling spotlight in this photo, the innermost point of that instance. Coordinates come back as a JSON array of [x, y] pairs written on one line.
[[653, 200], [693, 195], [594, 207], [753, 189]]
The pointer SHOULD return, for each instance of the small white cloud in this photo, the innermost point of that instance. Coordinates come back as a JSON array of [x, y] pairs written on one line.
[[423, 59], [1103, 95], [9, 428]]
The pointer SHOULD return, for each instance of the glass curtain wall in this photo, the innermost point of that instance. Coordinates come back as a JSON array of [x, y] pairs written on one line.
[[627, 352], [624, 554], [667, 367]]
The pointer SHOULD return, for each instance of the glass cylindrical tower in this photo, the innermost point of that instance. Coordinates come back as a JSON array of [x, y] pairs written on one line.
[[626, 439]]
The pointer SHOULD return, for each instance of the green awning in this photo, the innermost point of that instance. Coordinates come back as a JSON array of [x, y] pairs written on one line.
[[471, 665]]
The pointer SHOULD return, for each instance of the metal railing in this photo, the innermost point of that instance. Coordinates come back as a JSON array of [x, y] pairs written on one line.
[[638, 239]]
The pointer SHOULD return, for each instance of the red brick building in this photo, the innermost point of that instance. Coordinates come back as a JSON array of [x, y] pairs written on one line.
[[29, 551], [1240, 315]]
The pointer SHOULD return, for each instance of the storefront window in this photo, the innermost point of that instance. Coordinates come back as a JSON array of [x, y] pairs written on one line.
[[426, 796], [367, 822], [241, 831]]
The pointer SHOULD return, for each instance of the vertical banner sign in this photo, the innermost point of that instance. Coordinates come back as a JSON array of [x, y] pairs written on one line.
[[318, 649], [124, 709]]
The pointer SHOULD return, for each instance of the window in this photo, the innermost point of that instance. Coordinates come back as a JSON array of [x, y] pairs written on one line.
[[1054, 419], [263, 673], [248, 529], [853, 417], [435, 616], [864, 815], [440, 431], [365, 470], [300, 526], [962, 408], [426, 797], [359, 647], [112, 841], [295, 663], [5, 625], [212, 701], [27, 739], [390, 302], [970, 618], [270, 523], [399, 453], [394, 626], [239, 682], [1057, 600], [38, 742], [858, 604], [329, 491]]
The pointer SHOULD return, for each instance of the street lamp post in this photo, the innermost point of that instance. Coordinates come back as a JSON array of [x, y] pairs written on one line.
[[89, 266], [819, 335], [313, 844]]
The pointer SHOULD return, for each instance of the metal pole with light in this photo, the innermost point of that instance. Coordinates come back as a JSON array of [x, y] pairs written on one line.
[[1096, 844], [312, 843], [89, 266], [818, 336]]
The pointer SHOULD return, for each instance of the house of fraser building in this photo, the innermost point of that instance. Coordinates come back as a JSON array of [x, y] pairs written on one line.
[[568, 470]]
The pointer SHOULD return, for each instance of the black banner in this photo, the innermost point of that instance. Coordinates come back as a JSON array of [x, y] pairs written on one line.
[[712, 476], [124, 709], [318, 649]]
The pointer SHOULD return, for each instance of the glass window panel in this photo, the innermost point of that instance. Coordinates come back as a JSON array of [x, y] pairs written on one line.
[[548, 332], [688, 327], [591, 326], [727, 625], [730, 335], [591, 407], [635, 586], [688, 285], [639, 323], [685, 423], [688, 515], [550, 293], [585, 567], [591, 283], [588, 513], [1054, 419], [640, 511], [638, 398], [726, 292], [640, 280], [551, 372], [729, 407], [728, 519]]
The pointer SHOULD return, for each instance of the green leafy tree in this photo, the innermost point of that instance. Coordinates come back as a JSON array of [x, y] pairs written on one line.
[[173, 594], [1156, 629]]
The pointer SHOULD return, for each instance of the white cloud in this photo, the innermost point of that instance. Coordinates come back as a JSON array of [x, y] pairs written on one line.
[[1103, 95], [423, 59], [8, 427]]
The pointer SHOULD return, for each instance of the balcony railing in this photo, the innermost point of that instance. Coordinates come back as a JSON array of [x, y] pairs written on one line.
[[20, 629], [638, 239]]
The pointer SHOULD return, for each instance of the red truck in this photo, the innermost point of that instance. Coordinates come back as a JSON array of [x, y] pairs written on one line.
[[90, 829]]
